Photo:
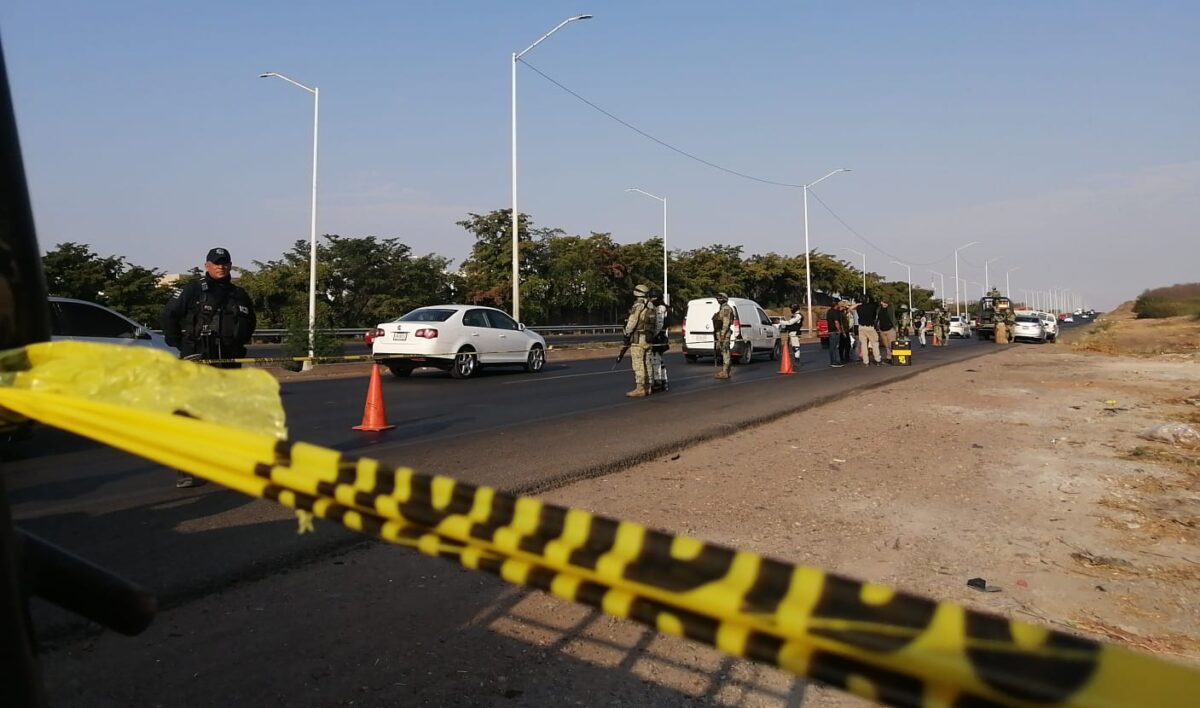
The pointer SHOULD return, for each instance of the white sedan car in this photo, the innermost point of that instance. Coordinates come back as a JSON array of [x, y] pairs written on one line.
[[960, 327], [1029, 328], [456, 338]]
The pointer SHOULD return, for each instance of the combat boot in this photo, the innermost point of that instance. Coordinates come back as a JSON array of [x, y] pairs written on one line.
[[721, 375], [638, 392]]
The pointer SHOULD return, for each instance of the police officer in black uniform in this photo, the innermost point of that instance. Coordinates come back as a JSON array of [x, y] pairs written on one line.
[[210, 318]]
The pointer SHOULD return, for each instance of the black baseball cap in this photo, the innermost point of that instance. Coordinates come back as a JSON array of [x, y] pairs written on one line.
[[219, 255]]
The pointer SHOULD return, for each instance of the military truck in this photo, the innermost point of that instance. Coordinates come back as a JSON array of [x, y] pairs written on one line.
[[990, 309]]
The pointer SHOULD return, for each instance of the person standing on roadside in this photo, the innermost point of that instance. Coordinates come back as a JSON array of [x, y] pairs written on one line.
[[885, 324], [723, 335], [944, 324], [836, 319], [639, 328], [921, 323], [868, 336], [850, 342], [792, 326], [210, 318], [658, 342]]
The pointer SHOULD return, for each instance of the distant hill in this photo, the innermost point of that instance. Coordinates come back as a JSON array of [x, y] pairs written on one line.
[[1171, 301]]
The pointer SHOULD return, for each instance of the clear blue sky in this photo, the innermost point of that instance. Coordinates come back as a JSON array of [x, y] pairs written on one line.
[[1062, 135]]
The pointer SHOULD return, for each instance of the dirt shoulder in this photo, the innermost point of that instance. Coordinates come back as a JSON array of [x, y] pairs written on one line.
[[1120, 333], [1024, 468]]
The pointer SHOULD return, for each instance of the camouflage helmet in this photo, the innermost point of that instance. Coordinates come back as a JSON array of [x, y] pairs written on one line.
[[641, 291], [722, 297]]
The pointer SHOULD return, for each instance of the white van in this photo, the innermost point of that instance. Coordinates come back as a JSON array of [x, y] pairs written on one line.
[[754, 330]]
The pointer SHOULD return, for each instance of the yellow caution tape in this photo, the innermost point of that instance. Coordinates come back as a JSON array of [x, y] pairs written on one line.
[[149, 379], [879, 643]]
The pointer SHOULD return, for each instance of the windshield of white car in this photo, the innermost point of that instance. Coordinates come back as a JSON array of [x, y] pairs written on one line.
[[427, 314]]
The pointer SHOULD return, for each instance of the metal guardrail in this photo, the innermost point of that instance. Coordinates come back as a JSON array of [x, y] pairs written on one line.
[[277, 335]]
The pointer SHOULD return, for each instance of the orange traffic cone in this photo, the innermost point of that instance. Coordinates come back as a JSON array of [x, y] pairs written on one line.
[[785, 364], [374, 418]]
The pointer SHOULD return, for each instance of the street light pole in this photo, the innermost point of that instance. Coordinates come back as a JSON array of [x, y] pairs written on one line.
[[1008, 281], [864, 267], [807, 263], [957, 310], [516, 215], [943, 277], [987, 284], [666, 297], [312, 245], [909, 284]]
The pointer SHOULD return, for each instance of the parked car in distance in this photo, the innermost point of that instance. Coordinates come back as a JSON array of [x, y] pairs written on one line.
[[960, 327], [752, 326], [460, 339], [1029, 328], [82, 321]]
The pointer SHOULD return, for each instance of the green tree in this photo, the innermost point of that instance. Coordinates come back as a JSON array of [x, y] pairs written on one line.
[[774, 280], [361, 281], [487, 272], [703, 272], [74, 270]]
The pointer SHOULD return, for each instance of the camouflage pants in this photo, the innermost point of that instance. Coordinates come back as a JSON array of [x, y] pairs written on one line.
[[722, 351], [1001, 333], [639, 356]]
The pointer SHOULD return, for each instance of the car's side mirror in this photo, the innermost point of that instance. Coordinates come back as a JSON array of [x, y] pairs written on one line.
[[141, 333], [521, 326]]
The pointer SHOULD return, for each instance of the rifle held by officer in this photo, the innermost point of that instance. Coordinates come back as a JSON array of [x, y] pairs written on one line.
[[620, 355]]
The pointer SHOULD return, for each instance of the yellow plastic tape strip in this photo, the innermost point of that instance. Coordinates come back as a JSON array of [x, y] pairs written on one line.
[[906, 649]]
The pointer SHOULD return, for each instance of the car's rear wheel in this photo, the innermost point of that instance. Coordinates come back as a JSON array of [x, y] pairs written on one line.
[[466, 363], [536, 359], [777, 350], [691, 358]]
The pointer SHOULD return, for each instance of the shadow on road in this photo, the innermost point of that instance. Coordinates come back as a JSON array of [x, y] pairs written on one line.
[[384, 627]]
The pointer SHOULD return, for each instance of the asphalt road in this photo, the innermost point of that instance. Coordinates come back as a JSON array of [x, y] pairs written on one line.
[[513, 430], [268, 350]]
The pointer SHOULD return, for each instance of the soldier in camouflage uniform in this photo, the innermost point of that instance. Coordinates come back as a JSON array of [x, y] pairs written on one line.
[[723, 335], [906, 322], [639, 329], [941, 326]]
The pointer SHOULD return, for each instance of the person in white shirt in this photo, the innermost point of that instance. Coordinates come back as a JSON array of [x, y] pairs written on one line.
[[793, 326]]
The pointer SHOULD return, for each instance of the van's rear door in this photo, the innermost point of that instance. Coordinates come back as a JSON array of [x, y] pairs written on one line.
[[699, 325]]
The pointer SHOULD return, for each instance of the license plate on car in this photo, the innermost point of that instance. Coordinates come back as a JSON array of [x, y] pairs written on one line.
[[399, 336]]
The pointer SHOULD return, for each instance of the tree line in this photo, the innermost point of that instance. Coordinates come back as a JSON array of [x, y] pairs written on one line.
[[565, 278]]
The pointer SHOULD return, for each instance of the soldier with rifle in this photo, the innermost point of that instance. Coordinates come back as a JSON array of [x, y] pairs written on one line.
[[639, 329]]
